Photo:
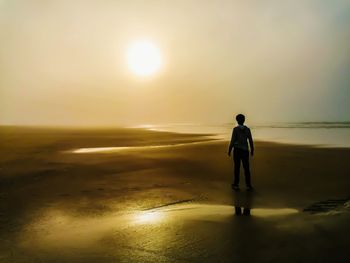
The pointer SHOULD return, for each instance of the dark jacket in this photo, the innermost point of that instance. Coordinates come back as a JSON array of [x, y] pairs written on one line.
[[240, 136]]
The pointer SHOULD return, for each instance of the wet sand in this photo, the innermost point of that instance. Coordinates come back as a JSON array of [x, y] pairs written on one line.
[[171, 202]]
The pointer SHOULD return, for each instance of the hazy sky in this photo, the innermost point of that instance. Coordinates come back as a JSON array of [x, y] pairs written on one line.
[[64, 62]]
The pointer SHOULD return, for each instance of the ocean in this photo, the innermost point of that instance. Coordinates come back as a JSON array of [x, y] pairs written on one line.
[[320, 134]]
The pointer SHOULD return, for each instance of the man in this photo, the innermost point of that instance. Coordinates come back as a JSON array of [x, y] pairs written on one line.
[[239, 142]]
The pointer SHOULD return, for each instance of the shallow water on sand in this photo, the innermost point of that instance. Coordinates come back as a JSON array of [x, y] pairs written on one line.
[[127, 148], [57, 228]]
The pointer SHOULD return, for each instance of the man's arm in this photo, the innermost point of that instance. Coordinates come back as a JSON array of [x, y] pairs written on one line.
[[251, 143], [231, 143]]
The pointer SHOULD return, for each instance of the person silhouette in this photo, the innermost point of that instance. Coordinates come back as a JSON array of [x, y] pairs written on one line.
[[239, 142]]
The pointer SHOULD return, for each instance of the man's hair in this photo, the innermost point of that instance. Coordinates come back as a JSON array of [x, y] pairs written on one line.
[[240, 118]]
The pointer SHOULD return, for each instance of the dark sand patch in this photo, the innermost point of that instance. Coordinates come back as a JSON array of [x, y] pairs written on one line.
[[328, 206]]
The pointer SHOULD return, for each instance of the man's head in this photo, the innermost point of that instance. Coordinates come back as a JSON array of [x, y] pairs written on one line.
[[240, 118]]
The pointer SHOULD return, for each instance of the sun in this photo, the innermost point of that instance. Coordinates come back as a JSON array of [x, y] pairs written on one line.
[[144, 58]]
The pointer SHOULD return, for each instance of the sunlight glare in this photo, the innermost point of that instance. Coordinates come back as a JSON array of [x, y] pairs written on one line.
[[143, 58], [148, 217]]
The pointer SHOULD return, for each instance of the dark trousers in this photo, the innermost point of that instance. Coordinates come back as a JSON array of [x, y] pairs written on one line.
[[238, 156]]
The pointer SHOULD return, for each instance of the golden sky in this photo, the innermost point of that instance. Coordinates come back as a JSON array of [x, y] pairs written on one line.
[[64, 62]]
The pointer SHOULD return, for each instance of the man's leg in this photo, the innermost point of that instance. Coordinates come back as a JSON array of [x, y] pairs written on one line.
[[245, 162], [237, 164]]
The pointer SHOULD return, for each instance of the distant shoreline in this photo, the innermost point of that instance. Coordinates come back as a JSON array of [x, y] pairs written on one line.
[[324, 137]]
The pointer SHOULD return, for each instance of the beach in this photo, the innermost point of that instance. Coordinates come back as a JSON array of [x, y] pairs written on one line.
[[137, 195]]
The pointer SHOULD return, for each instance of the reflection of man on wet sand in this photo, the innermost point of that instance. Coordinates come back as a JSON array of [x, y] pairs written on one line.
[[243, 202], [239, 142]]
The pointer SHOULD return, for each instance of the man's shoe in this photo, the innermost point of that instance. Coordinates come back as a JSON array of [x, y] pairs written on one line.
[[250, 188], [235, 187]]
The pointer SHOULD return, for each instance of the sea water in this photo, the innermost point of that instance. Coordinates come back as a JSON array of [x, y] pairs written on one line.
[[321, 134]]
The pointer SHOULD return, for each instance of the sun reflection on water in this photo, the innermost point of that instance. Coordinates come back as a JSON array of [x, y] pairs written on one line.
[[148, 217], [57, 228], [266, 212]]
